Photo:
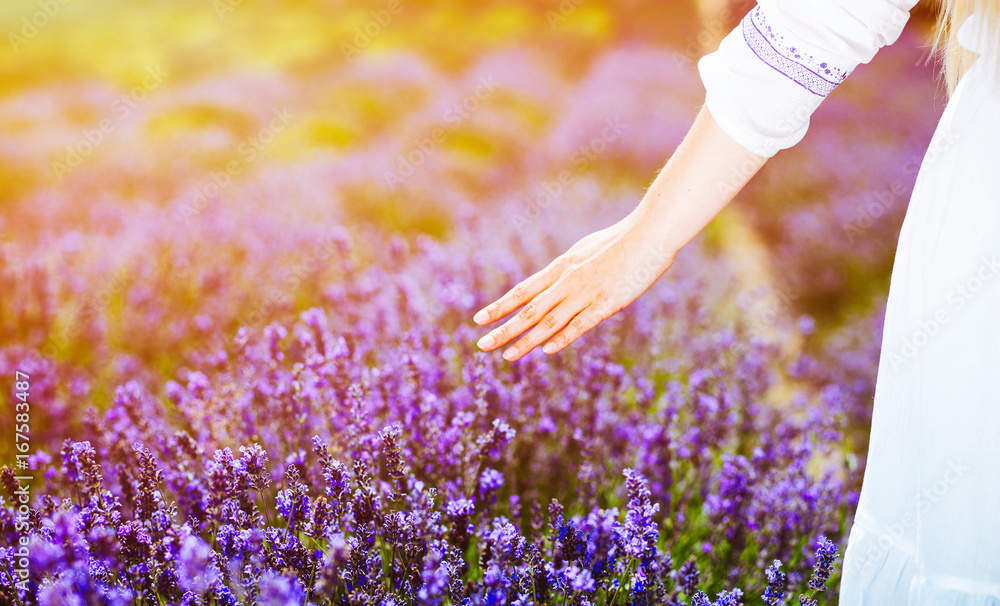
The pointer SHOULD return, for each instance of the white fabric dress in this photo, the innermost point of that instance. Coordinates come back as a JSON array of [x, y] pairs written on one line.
[[927, 529]]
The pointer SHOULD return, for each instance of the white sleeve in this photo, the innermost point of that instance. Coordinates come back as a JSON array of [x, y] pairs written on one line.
[[775, 68]]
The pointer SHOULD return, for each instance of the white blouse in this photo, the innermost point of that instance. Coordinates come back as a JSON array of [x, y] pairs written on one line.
[[927, 531], [774, 69]]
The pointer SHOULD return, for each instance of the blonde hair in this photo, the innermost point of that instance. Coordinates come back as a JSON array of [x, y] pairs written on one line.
[[956, 59]]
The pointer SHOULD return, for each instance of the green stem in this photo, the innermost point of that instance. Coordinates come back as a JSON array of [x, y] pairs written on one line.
[[288, 522], [128, 582], [312, 582], [628, 567], [13, 587], [534, 590], [392, 562], [263, 506], [312, 575], [381, 551], [215, 532]]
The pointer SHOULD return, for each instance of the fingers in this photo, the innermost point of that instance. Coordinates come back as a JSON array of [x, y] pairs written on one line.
[[530, 314], [584, 321], [548, 325], [520, 294]]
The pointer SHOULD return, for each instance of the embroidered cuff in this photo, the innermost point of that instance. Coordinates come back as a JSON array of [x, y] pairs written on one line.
[[814, 74]]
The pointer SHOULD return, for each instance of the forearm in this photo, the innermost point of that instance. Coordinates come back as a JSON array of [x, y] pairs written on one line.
[[705, 172]]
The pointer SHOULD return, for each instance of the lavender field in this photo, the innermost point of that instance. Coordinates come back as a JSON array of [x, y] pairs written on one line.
[[242, 244]]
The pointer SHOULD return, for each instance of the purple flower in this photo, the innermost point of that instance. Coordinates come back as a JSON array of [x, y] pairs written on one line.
[[196, 570], [293, 503], [492, 443], [80, 466], [688, 577], [395, 466], [726, 508], [253, 461], [640, 532], [806, 324], [435, 578], [460, 511], [490, 481], [337, 476], [700, 599], [826, 553], [461, 508], [507, 543], [775, 591], [278, 590], [729, 598], [579, 579], [198, 384], [335, 565]]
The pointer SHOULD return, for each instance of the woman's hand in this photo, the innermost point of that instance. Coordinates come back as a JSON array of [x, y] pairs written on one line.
[[590, 282], [609, 269]]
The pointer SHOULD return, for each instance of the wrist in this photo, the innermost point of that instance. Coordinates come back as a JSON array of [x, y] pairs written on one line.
[[656, 222], [650, 225]]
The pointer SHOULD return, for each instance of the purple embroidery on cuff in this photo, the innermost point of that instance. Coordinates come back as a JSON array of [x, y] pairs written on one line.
[[818, 77]]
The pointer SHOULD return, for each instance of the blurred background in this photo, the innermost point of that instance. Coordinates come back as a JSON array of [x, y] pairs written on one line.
[[169, 171]]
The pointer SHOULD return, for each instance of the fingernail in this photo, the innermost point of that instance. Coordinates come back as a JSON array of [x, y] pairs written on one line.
[[510, 354], [549, 348], [481, 317], [485, 342]]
